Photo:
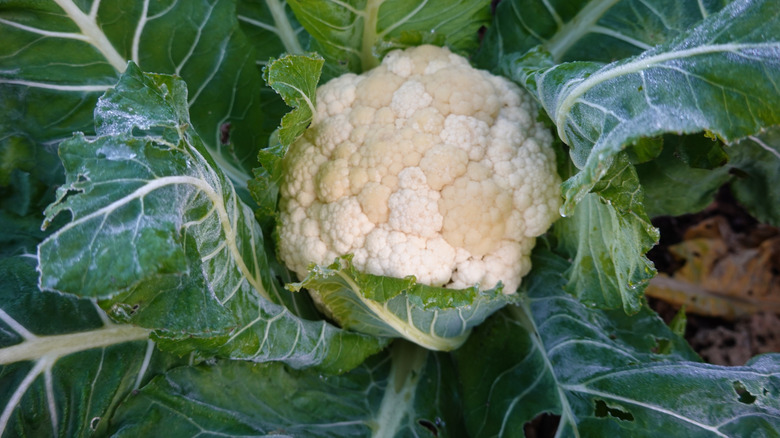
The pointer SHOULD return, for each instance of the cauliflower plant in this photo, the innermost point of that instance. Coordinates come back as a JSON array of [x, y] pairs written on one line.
[[422, 166]]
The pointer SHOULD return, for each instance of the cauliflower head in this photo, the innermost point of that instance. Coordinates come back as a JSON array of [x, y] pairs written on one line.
[[423, 166]]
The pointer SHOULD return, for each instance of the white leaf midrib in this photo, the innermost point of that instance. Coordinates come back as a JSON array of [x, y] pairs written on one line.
[[397, 402], [523, 312], [404, 328], [134, 52], [45, 351], [639, 64], [24, 385], [56, 346], [57, 87], [609, 396], [228, 225], [94, 34], [283, 28], [577, 27], [45, 33]]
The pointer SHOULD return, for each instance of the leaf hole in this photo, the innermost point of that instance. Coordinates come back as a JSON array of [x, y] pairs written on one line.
[[662, 346], [542, 426], [93, 423], [744, 395], [430, 426], [738, 173], [224, 133], [603, 410]]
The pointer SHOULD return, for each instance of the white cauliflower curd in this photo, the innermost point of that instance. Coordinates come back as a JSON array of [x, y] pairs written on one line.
[[422, 166]]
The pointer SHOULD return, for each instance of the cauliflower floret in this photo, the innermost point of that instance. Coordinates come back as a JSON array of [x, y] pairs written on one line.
[[422, 166]]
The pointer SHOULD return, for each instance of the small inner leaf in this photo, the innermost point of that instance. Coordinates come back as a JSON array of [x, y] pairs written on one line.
[[433, 317], [354, 36], [295, 78]]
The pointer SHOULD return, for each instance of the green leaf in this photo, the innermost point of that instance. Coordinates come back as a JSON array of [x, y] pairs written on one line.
[[606, 237], [679, 182], [58, 57], [405, 393], [353, 35], [755, 162], [697, 151], [295, 78], [721, 76], [264, 187], [273, 30], [272, 27], [29, 174], [433, 317], [678, 324], [685, 178], [63, 366], [588, 30], [159, 235], [119, 191], [601, 372]]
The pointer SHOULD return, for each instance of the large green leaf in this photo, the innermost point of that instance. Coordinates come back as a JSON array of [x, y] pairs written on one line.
[[354, 35], [273, 30], [589, 30], [720, 76], [755, 162], [29, 174], [604, 373], [63, 366], [58, 56], [433, 317], [160, 237], [682, 179], [406, 393], [606, 238], [272, 27]]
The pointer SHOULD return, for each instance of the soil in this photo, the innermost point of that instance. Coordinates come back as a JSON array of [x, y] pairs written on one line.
[[718, 340]]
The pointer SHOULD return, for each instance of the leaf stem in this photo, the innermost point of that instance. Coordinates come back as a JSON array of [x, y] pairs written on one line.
[[368, 58], [408, 361], [283, 27], [94, 34], [577, 27], [57, 346]]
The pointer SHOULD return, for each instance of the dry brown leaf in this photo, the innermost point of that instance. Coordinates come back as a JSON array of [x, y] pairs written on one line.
[[724, 274]]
